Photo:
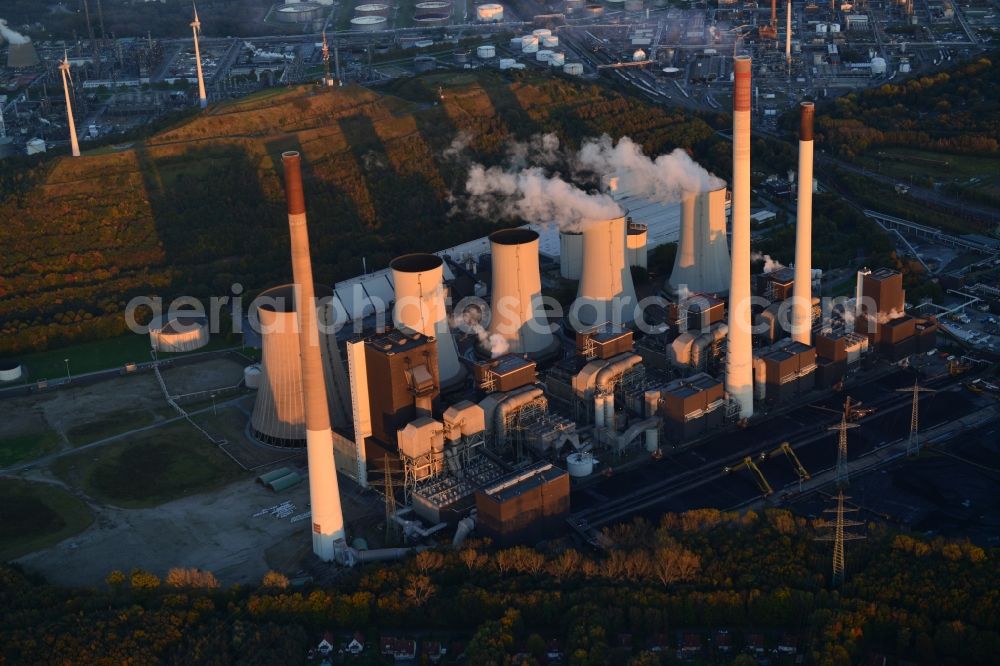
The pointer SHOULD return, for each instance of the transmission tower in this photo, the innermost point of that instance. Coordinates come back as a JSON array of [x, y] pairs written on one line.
[[843, 427], [913, 443], [389, 485], [838, 534]]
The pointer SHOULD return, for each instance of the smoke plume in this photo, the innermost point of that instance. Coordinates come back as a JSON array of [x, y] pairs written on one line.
[[886, 317], [470, 321], [12, 36], [770, 264], [534, 196], [664, 179], [457, 145]]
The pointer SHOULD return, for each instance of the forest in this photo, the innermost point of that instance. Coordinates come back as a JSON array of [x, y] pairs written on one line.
[[906, 597], [198, 206]]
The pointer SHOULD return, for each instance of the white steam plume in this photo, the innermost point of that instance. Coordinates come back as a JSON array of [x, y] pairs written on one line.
[[664, 179], [470, 322], [458, 145], [12, 36], [886, 317], [534, 196], [770, 263]]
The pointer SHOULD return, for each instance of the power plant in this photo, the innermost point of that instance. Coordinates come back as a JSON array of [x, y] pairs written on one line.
[[606, 292]]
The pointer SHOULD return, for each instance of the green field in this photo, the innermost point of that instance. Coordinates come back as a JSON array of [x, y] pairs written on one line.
[[110, 425], [151, 468], [27, 447], [99, 355], [904, 162], [36, 515]]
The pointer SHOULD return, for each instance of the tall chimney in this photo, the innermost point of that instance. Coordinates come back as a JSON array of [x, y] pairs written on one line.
[[605, 292], [324, 493], [739, 358], [802, 289], [195, 29], [419, 306], [64, 70], [517, 314], [788, 36]]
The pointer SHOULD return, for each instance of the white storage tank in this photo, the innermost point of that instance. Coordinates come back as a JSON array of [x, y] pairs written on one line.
[[541, 32], [557, 60], [878, 66], [251, 376], [486, 51], [490, 12], [369, 23], [515, 43], [507, 63], [549, 41], [834, 27], [35, 146], [543, 55], [183, 331], [821, 28], [372, 9], [529, 44], [580, 465], [10, 370], [639, 55], [573, 68]]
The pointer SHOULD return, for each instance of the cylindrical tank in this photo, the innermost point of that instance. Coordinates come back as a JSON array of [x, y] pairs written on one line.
[[372, 9], [179, 333], [579, 465], [593, 10], [431, 8], [461, 56], [821, 28], [571, 6], [490, 12], [615, 5], [549, 41], [543, 55], [557, 59], [638, 55], [570, 249], [541, 32], [878, 66], [300, 12], [573, 68], [529, 45], [369, 23], [516, 43], [424, 63], [486, 51], [431, 20], [10, 370], [507, 63], [251, 376], [834, 27], [517, 313], [652, 439]]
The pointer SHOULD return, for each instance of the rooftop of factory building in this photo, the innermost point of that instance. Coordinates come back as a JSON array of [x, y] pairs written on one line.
[[607, 332], [508, 363], [519, 482], [797, 347], [783, 275], [778, 355], [396, 340], [883, 273], [899, 321], [702, 301], [692, 385]]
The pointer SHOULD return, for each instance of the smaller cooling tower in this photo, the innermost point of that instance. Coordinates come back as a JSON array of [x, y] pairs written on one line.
[[570, 254], [21, 55], [702, 262], [606, 292], [420, 307], [278, 415], [516, 304]]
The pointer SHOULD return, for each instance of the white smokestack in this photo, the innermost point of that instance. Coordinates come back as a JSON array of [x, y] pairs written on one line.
[[517, 321], [606, 292], [66, 79], [702, 262], [788, 35], [802, 288], [324, 492], [195, 29], [419, 284], [739, 358]]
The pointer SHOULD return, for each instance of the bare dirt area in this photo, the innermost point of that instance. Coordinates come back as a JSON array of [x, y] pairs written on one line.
[[217, 373]]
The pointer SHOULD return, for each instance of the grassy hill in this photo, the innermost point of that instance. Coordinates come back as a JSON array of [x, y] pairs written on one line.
[[198, 206]]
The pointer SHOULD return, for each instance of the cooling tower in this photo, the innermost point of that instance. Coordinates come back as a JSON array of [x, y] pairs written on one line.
[[739, 358], [21, 55], [324, 493], [802, 288], [420, 307], [605, 293], [517, 315], [279, 413], [702, 261], [570, 254]]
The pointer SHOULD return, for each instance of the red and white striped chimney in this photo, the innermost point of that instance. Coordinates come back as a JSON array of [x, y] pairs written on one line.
[[324, 492], [802, 288], [739, 358]]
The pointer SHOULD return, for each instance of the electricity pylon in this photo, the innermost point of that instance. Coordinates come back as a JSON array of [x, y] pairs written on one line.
[[842, 473], [913, 443], [838, 535]]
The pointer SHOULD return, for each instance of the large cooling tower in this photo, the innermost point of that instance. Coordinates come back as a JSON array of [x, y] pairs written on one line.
[[21, 55], [324, 493], [702, 262], [739, 358], [516, 308], [420, 307], [802, 288], [279, 412], [606, 292]]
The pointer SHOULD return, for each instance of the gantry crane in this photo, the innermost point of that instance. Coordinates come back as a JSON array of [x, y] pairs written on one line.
[[786, 448], [759, 477]]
